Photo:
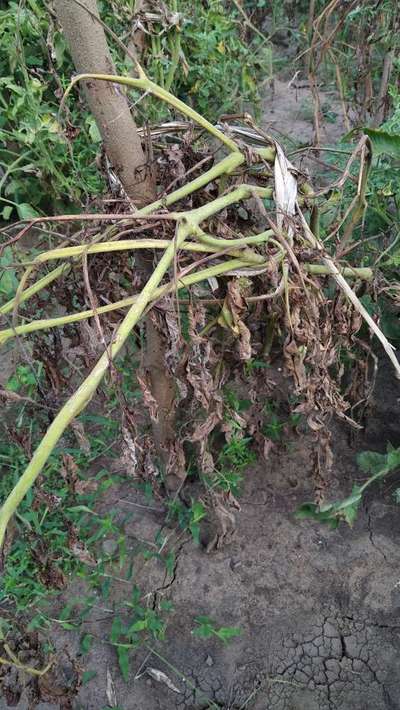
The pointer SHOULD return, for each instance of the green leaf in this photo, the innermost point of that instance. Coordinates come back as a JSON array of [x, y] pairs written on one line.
[[123, 661], [393, 459], [195, 532], [94, 132], [60, 47], [169, 561], [312, 510], [88, 676], [86, 643], [226, 633], [26, 211], [6, 213], [116, 629], [371, 461], [203, 631], [383, 142], [198, 511], [140, 625]]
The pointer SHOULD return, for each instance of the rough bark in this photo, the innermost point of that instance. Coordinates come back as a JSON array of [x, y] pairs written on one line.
[[109, 106]]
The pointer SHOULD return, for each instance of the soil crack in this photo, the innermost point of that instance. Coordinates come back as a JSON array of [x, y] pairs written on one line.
[[371, 535]]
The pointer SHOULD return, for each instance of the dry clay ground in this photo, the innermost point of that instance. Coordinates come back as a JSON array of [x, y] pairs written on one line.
[[318, 609]]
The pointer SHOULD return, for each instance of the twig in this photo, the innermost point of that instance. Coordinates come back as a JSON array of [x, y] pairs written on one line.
[[14, 661]]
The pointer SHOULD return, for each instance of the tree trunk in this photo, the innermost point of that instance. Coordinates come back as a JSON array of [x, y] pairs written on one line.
[[90, 53], [109, 106]]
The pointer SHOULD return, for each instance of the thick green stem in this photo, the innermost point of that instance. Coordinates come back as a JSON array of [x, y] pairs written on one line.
[[147, 85], [187, 224], [35, 288], [175, 44], [84, 393], [225, 166], [358, 272], [245, 257]]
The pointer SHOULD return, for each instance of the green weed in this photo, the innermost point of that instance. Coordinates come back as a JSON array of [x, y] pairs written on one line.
[[378, 465], [207, 629], [139, 626]]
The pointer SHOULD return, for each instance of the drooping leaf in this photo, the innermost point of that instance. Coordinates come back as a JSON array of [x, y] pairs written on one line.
[[312, 510], [384, 142], [371, 461]]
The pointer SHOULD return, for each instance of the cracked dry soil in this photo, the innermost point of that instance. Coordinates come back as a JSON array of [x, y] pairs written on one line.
[[318, 609]]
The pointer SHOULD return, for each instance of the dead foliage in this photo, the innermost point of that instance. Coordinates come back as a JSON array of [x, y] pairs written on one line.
[[277, 311]]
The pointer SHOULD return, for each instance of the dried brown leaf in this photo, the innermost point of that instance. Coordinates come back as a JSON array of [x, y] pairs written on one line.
[[80, 434], [148, 399], [175, 460], [244, 341], [110, 690], [161, 677], [82, 487], [222, 504], [204, 429]]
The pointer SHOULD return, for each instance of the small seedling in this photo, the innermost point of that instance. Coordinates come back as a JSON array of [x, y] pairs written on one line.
[[207, 628]]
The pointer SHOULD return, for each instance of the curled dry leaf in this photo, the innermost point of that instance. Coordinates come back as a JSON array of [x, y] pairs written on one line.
[[129, 453], [69, 471], [232, 311], [244, 342], [173, 353], [79, 549], [161, 677], [110, 690], [267, 448], [223, 505], [148, 399], [81, 437], [204, 429], [82, 487], [229, 428], [207, 464], [175, 460]]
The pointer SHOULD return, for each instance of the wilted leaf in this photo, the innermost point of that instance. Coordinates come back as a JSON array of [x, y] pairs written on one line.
[[148, 399], [285, 190], [80, 434], [88, 486], [383, 142]]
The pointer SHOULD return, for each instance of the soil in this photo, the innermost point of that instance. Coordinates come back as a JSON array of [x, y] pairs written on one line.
[[318, 609], [288, 111]]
